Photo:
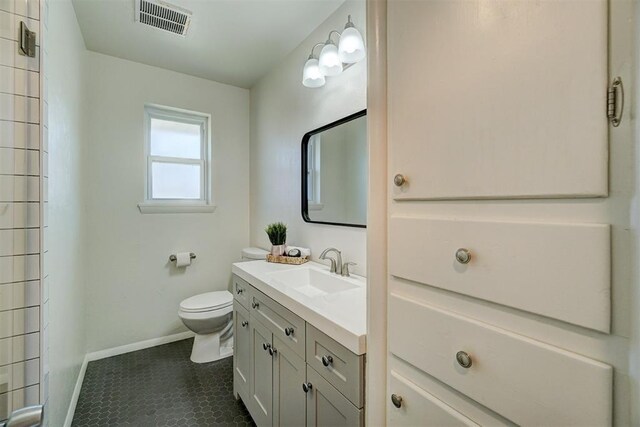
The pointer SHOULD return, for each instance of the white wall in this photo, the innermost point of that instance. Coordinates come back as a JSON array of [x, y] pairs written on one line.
[[65, 234], [282, 111], [133, 292]]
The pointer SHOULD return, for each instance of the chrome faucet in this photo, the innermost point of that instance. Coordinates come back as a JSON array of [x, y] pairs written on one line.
[[336, 265]]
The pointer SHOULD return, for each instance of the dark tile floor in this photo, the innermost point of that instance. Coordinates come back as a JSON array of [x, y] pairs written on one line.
[[159, 386]]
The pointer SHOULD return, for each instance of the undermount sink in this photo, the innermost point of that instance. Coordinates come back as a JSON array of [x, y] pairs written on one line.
[[312, 282]]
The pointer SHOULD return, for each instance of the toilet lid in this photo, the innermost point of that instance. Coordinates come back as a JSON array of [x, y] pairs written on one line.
[[207, 301]]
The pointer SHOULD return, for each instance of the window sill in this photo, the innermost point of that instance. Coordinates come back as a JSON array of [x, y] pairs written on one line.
[[172, 208]]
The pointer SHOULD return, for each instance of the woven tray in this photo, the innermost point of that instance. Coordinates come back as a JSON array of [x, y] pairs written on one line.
[[287, 259]]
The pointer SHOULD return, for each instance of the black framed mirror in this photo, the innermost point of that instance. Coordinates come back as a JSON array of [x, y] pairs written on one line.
[[335, 173]]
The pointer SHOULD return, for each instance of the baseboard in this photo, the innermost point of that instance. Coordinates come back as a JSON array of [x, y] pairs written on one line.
[[141, 345], [103, 354]]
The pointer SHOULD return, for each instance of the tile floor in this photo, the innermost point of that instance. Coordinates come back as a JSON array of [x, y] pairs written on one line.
[[159, 386]]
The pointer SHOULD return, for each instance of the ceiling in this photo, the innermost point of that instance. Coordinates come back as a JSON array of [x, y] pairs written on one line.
[[229, 41]]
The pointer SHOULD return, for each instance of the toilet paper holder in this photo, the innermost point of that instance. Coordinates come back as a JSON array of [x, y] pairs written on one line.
[[173, 258]]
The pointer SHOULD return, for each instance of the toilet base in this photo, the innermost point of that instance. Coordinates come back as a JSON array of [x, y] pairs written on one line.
[[207, 348]]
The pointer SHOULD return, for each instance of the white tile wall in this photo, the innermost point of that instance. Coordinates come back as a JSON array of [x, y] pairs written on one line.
[[23, 116], [19, 135]]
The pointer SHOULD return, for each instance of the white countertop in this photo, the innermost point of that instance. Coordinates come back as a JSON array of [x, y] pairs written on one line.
[[342, 316]]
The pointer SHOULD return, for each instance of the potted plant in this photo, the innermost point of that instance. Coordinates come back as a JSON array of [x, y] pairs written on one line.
[[277, 233]]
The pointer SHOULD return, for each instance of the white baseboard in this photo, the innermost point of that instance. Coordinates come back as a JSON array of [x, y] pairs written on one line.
[[103, 354]]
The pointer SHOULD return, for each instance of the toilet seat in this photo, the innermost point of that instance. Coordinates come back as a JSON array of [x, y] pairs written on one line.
[[208, 301]]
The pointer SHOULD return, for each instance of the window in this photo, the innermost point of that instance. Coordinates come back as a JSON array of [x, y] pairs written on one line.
[[177, 146]]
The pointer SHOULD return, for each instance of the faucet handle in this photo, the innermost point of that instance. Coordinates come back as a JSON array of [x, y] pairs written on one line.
[[345, 268]]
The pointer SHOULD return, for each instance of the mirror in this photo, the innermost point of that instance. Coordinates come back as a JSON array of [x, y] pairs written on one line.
[[334, 173]]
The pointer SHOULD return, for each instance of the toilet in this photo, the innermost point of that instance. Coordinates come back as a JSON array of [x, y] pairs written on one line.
[[210, 316]]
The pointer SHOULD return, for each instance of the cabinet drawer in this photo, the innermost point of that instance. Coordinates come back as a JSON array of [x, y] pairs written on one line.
[[241, 291], [326, 406], [342, 368], [524, 380], [285, 325], [539, 268], [419, 407]]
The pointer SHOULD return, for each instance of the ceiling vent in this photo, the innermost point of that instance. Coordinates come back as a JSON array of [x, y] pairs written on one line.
[[163, 16]]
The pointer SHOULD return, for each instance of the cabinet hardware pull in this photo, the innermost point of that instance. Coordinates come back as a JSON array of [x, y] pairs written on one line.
[[266, 346], [273, 351], [327, 360], [396, 400], [464, 359], [306, 387], [239, 291], [615, 98], [288, 331], [244, 323], [463, 256], [255, 305], [399, 180]]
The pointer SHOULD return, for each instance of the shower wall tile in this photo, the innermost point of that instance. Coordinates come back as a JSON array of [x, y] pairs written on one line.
[[19, 215], [19, 348], [19, 82], [19, 108], [19, 295], [19, 135], [19, 162], [10, 57]]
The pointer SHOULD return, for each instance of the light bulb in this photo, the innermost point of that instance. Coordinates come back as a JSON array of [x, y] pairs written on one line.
[[351, 48], [330, 64], [311, 75]]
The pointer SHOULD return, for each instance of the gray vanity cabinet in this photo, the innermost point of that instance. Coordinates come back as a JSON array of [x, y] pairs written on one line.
[[276, 352], [289, 373]]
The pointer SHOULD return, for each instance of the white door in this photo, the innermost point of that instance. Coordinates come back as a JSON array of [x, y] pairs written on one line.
[[498, 99]]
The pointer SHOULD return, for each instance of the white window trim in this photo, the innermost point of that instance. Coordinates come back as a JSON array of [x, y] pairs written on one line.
[[205, 203]]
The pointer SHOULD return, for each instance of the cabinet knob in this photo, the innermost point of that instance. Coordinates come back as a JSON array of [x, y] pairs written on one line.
[[288, 331], [306, 387], [399, 180], [463, 256], [464, 359], [272, 351], [255, 304], [396, 400], [244, 323], [266, 346], [327, 360]]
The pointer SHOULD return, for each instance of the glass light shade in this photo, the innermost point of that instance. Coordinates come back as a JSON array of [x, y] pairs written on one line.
[[311, 75], [330, 64], [351, 48]]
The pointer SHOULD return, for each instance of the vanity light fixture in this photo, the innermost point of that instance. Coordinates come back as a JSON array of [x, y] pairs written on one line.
[[334, 59]]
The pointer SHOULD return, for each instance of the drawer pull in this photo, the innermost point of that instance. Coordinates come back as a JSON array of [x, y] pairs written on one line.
[[306, 387], [266, 346], [288, 331], [396, 400], [463, 256], [327, 360], [244, 323], [464, 359], [255, 305], [272, 351], [239, 291], [399, 180]]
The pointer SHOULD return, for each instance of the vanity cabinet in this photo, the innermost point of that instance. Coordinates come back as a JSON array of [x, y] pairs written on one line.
[[289, 373]]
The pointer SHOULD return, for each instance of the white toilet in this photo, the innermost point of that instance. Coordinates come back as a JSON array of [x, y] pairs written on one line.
[[210, 316]]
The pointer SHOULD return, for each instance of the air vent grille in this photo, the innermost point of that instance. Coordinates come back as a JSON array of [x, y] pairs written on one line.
[[163, 16]]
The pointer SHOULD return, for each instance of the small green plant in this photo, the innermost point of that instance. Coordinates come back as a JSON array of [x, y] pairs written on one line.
[[277, 233]]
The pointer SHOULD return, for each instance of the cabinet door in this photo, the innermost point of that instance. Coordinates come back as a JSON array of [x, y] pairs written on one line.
[[261, 401], [289, 372], [498, 99], [326, 406], [242, 351]]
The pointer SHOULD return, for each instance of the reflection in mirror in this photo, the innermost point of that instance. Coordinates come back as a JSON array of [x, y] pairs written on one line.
[[334, 173]]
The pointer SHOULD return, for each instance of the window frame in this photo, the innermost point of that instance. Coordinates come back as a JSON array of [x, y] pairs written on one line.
[[205, 202]]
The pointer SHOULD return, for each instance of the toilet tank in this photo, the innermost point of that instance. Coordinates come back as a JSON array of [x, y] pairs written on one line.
[[251, 254]]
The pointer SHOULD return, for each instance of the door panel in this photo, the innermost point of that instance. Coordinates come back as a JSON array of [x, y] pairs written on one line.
[[289, 372], [327, 407], [261, 402], [242, 351], [498, 99]]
